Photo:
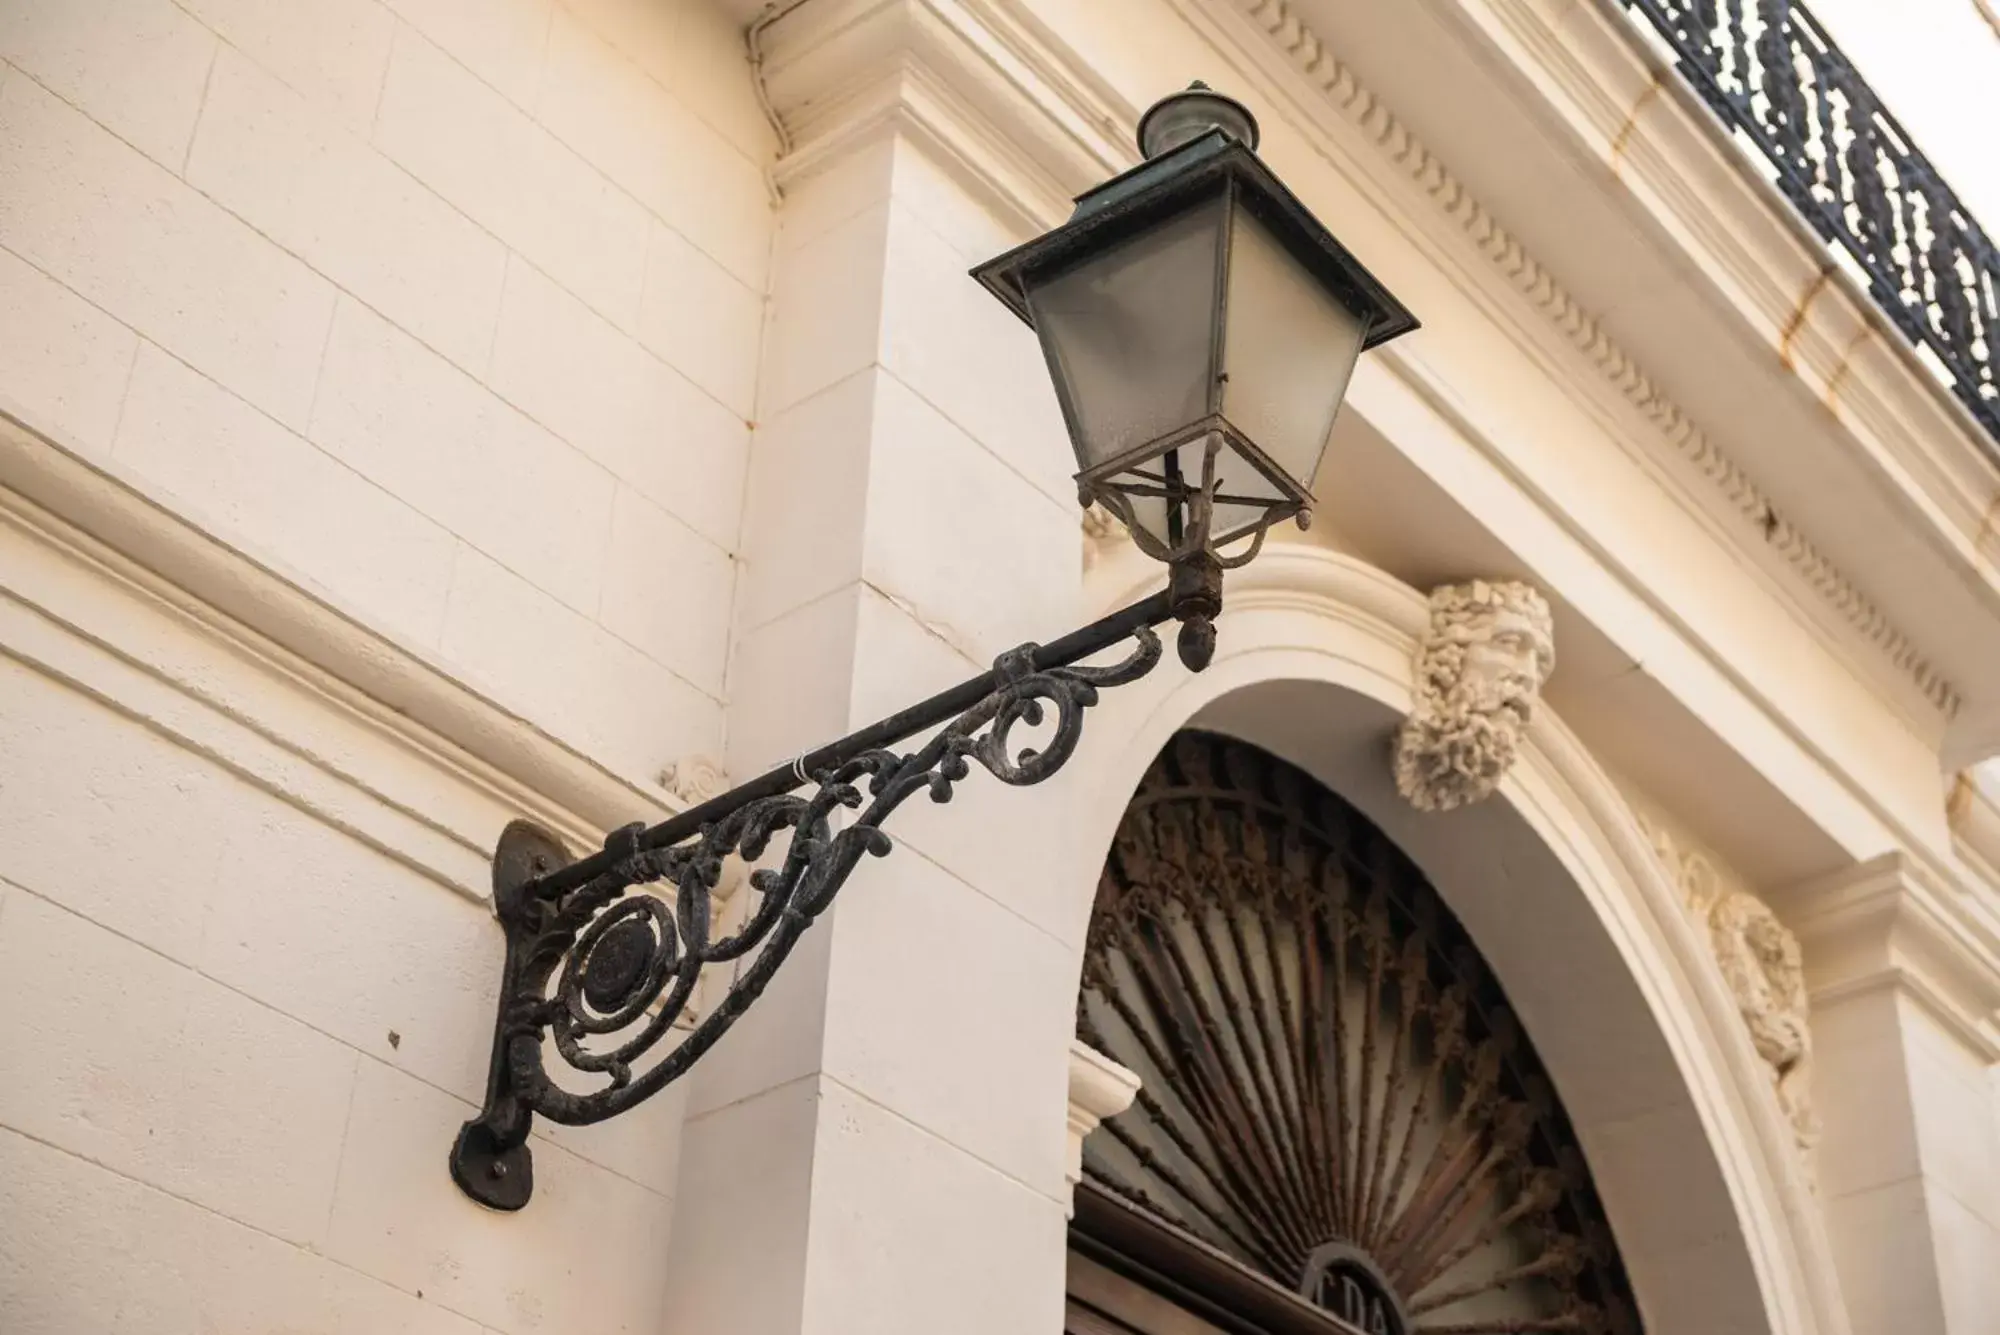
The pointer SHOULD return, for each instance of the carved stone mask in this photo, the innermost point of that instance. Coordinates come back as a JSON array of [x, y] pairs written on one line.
[[1488, 649]]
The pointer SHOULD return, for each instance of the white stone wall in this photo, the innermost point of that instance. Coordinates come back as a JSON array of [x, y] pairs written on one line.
[[476, 319], [482, 282], [449, 311]]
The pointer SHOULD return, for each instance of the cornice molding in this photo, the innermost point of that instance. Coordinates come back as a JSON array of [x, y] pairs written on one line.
[[271, 680], [1310, 59], [1975, 827], [980, 84], [1892, 922]]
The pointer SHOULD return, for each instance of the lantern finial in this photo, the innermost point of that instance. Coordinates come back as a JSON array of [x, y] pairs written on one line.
[[1190, 114]]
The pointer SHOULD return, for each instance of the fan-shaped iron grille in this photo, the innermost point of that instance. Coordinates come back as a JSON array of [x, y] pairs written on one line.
[[1334, 1091]]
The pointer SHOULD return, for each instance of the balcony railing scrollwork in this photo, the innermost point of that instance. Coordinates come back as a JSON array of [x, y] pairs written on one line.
[[1771, 72]]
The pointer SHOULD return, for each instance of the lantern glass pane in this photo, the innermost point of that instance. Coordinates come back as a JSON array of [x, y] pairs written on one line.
[[1289, 350], [1129, 334], [1243, 493]]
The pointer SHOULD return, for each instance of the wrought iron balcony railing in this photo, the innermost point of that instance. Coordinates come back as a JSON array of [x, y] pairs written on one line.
[[1770, 71]]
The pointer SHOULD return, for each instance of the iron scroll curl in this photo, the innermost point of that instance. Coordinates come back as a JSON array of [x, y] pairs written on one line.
[[603, 972]]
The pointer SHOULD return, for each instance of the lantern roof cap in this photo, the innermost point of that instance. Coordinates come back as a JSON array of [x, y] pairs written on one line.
[[1213, 163]]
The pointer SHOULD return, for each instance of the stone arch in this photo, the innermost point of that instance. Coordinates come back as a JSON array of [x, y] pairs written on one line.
[[1562, 893]]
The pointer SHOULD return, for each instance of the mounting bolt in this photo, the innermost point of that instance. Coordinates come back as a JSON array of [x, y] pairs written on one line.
[[496, 1169]]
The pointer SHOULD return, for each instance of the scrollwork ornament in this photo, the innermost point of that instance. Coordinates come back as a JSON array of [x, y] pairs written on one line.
[[604, 975]]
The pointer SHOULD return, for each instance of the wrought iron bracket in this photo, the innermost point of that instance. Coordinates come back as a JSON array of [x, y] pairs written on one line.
[[600, 968]]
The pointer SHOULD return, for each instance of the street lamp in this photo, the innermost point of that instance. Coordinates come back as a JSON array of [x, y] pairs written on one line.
[[1200, 326]]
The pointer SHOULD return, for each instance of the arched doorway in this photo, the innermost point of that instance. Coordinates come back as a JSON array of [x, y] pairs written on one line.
[[1340, 1120]]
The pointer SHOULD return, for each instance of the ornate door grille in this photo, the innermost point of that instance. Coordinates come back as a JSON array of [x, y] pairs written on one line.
[[1335, 1094]]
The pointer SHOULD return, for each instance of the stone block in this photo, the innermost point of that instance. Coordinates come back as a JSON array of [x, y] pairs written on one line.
[[135, 241], [93, 1251], [970, 357], [75, 773], [571, 676], [738, 1261], [806, 511], [899, 660], [288, 501], [1957, 1128], [409, 421], [837, 190], [331, 52], [61, 1220], [993, 1252], [826, 309], [1968, 1262], [643, 31], [699, 318], [790, 681], [1868, 1135], [595, 387], [708, 68], [668, 591], [933, 195], [65, 361], [501, 41], [167, 1077], [643, 1144], [950, 1010], [973, 551], [1884, 1248], [776, 1042], [610, 110], [1692, 1285], [1652, 1157], [490, 159], [314, 924], [136, 67], [585, 1255], [292, 173]]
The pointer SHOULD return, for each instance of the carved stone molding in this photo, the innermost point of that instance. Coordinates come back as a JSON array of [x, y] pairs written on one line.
[[979, 84], [1763, 964], [1098, 1088], [1479, 670], [1892, 922], [1307, 54], [694, 779], [270, 679]]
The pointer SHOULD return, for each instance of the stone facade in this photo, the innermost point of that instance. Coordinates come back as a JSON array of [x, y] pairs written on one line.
[[420, 414]]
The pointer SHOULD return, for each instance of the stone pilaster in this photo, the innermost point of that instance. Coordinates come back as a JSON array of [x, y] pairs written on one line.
[[879, 1145]]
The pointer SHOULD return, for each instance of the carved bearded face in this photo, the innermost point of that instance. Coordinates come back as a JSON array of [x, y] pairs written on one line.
[[1479, 671], [1507, 658]]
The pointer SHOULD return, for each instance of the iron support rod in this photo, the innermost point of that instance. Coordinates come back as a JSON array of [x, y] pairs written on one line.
[[1072, 648], [606, 955]]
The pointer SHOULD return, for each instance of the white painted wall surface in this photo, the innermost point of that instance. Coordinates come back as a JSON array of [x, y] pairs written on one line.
[[450, 310], [453, 309], [480, 281]]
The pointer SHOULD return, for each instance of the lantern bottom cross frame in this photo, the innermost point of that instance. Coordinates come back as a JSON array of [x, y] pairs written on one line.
[[604, 955]]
